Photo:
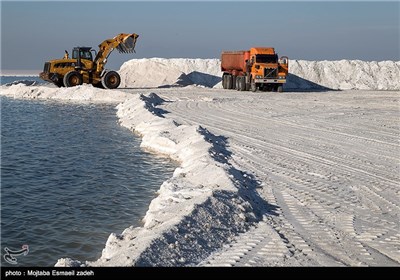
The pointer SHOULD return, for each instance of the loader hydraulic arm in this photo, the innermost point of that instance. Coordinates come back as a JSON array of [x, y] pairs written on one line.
[[124, 43]]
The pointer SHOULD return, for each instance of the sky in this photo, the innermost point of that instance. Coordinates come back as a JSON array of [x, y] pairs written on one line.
[[34, 32]]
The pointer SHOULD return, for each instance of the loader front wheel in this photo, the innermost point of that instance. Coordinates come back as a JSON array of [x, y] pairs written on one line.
[[111, 80], [72, 78]]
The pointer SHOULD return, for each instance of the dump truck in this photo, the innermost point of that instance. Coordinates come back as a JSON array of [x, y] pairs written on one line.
[[257, 68], [82, 68]]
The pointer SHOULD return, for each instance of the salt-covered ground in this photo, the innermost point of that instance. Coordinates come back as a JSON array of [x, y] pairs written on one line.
[[296, 178]]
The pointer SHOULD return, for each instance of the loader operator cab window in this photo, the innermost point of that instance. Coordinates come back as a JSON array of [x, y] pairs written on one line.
[[83, 54], [86, 54]]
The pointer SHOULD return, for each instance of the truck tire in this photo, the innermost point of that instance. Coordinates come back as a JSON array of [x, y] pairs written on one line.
[[72, 78], [228, 81], [243, 84], [279, 89], [240, 85], [224, 79], [234, 81], [111, 80], [253, 86]]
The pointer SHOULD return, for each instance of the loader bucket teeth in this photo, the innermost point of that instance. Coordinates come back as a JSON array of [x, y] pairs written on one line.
[[128, 44]]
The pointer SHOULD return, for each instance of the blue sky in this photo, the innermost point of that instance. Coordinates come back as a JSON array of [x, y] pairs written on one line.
[[33, 32]]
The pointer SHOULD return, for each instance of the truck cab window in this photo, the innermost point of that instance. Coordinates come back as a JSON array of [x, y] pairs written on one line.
[[266, 58]]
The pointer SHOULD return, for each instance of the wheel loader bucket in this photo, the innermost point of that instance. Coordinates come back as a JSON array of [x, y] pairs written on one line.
[[128, 43]]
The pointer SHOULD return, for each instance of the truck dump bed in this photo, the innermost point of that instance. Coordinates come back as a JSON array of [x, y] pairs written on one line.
[[234, 60]]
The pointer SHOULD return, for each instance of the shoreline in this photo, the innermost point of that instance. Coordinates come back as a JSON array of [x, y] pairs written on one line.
[[202, 184]]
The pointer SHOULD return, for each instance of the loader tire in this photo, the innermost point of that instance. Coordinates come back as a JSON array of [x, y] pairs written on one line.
[[72, 78], [111, 80]]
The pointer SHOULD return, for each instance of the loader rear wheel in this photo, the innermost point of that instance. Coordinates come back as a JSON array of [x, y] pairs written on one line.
[[111, 80], [72, 78]]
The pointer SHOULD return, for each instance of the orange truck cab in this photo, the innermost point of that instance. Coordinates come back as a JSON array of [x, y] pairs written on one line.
[[258, 68]]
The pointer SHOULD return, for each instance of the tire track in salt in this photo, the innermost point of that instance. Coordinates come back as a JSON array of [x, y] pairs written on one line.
[[307, 188]]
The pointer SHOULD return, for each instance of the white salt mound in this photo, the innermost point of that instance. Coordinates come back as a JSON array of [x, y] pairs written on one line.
[[163, 72], [305, 75], [345, 74]]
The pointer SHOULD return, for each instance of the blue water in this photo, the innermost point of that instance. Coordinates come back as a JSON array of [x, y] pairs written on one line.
[[31, 80], [70, 175]]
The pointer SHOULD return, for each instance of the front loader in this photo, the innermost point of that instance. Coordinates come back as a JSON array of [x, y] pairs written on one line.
[[82, 68]]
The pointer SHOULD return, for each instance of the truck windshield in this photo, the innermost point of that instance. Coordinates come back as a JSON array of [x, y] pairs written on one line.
[[266, 58]]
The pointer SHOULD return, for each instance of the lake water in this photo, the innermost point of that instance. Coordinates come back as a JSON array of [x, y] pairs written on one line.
[[30, 80], [70, 176]]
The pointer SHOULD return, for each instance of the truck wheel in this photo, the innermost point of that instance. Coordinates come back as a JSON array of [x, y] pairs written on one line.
[[72, 78], [279, 89], [253, 86], [111, 80], [234, 81], [224, 79], [229, 81], [241, 84], [238, 78]]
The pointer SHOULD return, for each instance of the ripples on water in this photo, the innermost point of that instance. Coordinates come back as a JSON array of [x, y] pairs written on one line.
[[70, 175]]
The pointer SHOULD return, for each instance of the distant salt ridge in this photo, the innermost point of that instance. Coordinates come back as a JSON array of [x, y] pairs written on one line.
[[305, 75]]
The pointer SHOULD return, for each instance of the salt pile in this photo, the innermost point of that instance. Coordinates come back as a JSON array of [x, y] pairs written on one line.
[[304, 75], [345, 74], [163, 72]]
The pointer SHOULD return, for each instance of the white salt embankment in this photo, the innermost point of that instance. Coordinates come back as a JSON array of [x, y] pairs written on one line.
[[83, 93], [304, 75], [188, 219]]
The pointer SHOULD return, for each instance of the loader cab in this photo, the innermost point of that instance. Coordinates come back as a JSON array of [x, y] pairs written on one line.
[[82, 53], [84, 57]]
